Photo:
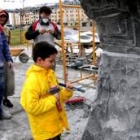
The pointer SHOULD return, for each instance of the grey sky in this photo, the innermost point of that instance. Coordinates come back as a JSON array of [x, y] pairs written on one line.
[[12, 4]]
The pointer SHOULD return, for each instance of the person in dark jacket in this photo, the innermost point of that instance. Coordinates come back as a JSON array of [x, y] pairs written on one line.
[[4, 56], [4, 17], [43, 29]]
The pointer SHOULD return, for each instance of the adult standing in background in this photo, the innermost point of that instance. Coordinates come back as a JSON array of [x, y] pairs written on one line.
[[9, 72], [5, 58], [43, 29]]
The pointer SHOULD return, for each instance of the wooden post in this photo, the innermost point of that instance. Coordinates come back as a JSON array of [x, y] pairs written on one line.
[[62, 42], [78, 80]]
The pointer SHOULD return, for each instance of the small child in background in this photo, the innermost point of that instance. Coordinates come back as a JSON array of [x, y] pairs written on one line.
[[46, 119]]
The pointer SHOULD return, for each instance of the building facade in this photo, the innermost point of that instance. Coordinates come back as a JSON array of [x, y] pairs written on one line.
[[29, 15]]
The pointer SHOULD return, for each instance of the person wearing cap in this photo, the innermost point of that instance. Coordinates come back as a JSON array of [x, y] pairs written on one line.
[[5, 59]]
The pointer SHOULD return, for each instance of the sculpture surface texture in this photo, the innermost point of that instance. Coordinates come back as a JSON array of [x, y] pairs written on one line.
[[116, 111]]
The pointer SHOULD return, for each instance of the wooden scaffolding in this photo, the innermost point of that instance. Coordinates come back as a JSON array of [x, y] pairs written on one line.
[[64, 44]]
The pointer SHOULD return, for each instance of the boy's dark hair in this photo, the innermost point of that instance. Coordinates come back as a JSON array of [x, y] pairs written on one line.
[[43, 50], [45, 9]]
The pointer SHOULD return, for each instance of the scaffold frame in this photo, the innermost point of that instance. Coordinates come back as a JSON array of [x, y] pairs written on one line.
[[63, 44]]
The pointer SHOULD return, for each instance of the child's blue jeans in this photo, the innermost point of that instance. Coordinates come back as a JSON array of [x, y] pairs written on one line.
[[2, 86]]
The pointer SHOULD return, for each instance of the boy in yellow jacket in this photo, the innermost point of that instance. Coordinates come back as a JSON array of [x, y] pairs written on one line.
[[46, 119]]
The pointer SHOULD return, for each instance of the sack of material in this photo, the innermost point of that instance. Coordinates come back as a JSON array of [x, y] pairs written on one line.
[[10, 81]]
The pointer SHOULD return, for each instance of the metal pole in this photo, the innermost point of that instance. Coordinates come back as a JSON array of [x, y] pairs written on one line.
[[14, 19], [94, 57], [20, 26], [79, 46], [80, 49], [63, 42], [93, 44]]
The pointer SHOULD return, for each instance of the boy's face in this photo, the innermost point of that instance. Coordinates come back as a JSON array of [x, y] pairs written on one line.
[[47, 63]]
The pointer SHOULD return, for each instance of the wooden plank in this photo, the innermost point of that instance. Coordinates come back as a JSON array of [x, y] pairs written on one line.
[[71, 6]]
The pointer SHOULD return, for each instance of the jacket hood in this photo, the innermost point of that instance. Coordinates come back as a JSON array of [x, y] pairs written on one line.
[[35, 69], [1, 10]]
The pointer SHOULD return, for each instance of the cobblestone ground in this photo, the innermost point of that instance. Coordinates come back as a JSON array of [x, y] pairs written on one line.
[[17, 128]]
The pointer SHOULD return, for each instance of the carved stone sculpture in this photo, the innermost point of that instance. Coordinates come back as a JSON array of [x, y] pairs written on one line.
[[118, 22], [116, 111]]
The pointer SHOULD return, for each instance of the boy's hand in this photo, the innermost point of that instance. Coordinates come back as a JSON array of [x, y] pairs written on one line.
[[69, 87]]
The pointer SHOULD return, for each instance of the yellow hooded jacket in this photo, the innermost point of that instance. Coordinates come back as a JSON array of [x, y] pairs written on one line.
[[45, 120]]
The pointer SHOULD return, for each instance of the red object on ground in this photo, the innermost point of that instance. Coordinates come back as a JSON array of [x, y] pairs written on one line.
[[75, 100]]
